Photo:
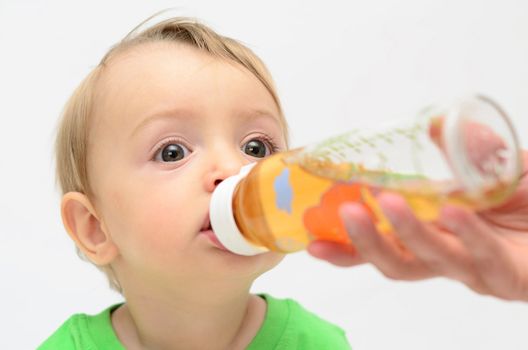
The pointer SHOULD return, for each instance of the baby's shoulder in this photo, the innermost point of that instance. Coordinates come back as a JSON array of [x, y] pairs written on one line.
[[296, 327], [64, 336], [83, 331]]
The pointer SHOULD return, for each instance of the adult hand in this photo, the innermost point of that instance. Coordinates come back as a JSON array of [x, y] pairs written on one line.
[[487, 250]]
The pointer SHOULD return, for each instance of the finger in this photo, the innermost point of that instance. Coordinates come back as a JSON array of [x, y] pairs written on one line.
[[442, 253], [490, 257], [508, 219], [335, 253], [380, 251]]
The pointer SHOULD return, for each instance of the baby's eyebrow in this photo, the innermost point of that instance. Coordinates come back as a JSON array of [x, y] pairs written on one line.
[[171, 114], [186, 115], [252, 114]]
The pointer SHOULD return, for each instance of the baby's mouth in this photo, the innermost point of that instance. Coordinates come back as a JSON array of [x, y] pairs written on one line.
[[207, 224], [208, 231]]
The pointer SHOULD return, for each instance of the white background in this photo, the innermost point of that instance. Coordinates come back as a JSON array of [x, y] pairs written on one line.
[[337, 65]]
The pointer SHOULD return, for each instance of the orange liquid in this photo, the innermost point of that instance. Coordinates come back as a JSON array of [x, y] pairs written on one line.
[[284, 206]]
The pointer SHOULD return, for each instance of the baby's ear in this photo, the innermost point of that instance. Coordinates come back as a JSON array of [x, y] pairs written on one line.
[[85, 228]]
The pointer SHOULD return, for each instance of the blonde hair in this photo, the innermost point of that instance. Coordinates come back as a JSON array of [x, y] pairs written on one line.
[[73, 130]]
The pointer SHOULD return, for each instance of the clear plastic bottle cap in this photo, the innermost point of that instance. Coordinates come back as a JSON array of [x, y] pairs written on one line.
[[222, 218]]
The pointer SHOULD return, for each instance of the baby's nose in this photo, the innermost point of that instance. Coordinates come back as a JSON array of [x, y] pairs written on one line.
[[221, 169]]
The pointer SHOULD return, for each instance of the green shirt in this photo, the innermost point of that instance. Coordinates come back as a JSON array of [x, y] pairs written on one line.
[[287, 325]]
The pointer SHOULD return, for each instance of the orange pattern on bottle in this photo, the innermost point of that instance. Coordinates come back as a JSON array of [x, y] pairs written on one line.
[[324, 222]]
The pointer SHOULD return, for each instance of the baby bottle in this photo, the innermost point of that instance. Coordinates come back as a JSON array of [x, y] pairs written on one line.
[[465, 152]]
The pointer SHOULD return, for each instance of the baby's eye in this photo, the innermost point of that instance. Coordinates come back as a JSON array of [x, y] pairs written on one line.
[[171, 152], [259, 148]]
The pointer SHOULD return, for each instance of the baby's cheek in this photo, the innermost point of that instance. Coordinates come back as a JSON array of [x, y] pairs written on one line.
[[153, 222], [159, 224]]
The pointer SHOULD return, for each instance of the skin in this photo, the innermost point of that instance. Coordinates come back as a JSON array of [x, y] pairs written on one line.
[[145, 215], [487, 251]]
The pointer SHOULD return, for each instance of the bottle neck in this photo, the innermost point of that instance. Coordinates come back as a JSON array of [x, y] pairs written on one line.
[[223, 219]]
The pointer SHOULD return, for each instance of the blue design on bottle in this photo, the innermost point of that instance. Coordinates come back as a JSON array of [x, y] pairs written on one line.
[[283, 191]]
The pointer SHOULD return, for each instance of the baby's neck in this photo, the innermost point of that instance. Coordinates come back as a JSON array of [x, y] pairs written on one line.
[[184, 324]]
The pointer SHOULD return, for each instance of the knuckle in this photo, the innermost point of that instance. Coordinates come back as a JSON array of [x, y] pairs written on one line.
[[436, 266], [486, 263], [394, 272], [407, 228], [392, 275], [474, 282], [409, 232]]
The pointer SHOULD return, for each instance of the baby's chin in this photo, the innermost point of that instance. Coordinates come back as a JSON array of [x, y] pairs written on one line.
[[233, 265], [266, 261]]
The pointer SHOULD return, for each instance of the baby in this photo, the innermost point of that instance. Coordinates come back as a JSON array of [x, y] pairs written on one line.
[[169, 113]]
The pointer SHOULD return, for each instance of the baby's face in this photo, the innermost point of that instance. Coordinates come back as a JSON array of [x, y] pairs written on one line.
[[170, 122]]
